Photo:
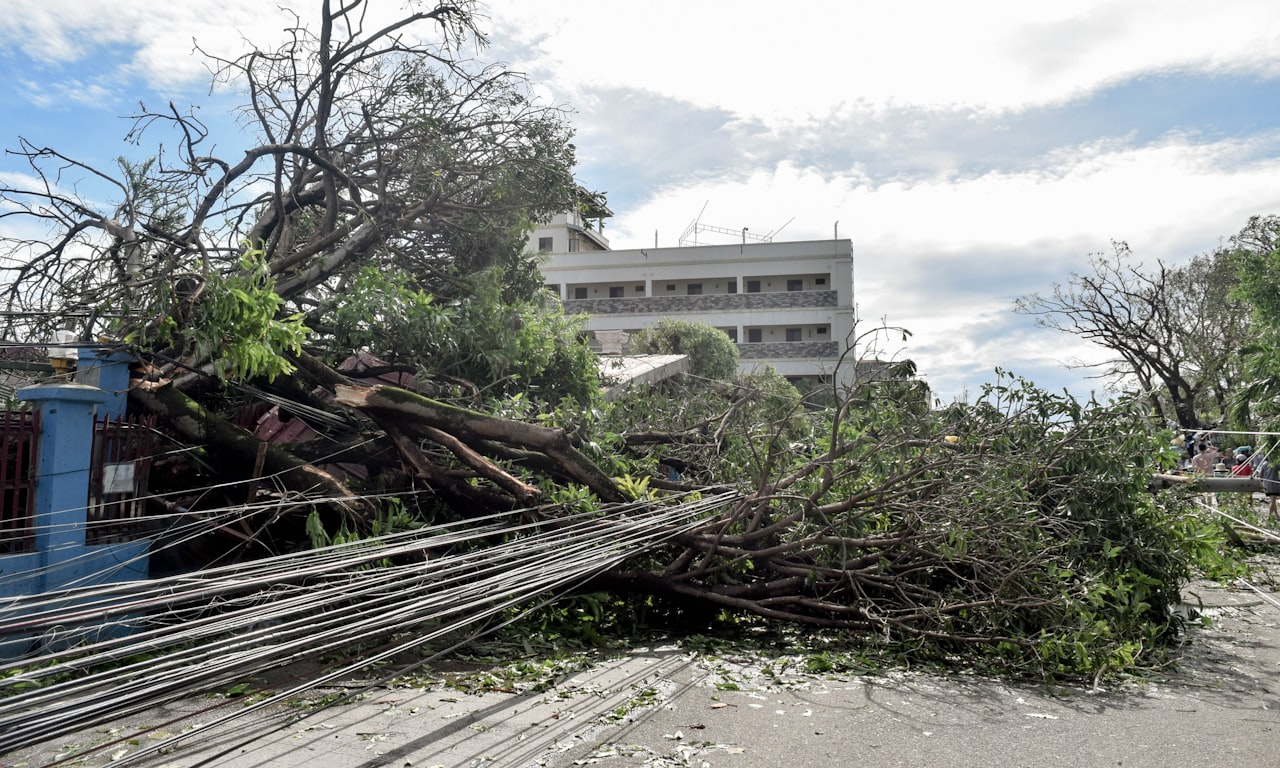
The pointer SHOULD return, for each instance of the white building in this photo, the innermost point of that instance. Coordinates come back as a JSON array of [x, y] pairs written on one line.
[[786, 305]]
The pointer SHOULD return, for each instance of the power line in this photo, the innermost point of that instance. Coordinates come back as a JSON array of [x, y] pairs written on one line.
[[205, 630]]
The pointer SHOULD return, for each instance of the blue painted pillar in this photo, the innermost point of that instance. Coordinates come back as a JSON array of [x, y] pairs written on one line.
[[109, 371], [62, 481]]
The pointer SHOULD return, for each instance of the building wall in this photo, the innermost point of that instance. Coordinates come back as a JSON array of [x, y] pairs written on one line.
[[568, 233], [789, 305]]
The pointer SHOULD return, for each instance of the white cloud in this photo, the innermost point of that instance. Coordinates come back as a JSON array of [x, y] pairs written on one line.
[[73, 91], [946, 256], [806, 59], [942, 242], [159, 39], [1176, 189]]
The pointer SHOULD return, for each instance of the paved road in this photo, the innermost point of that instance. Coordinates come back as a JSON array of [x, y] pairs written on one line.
[[669, 707]]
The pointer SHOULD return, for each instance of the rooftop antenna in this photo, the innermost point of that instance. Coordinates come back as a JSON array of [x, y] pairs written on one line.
[[690, 235], [693, 227], [770, 236]]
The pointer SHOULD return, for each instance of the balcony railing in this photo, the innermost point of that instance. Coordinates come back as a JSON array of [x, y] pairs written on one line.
[[793, 350], [706, 302]]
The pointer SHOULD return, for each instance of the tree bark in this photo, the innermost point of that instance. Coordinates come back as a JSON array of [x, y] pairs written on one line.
[[238, 448], [1208, 484], [473, 428]]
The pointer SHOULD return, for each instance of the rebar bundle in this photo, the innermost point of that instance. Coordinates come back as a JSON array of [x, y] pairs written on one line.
[[159, 640]]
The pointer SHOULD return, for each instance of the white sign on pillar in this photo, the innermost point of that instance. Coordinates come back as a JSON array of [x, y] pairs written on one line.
[[118, 478]]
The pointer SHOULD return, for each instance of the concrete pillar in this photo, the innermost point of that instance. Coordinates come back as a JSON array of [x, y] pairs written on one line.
[[62, 474], [109, 371]]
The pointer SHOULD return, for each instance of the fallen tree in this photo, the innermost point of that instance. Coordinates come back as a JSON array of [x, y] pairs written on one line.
[[381, 212], [1022, 529], [241, 456], [466, 433]]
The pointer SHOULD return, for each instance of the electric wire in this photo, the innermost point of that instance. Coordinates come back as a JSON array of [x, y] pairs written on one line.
[[240, 640], [235, 514], [1268, 598], [487, 589], [298, 606]]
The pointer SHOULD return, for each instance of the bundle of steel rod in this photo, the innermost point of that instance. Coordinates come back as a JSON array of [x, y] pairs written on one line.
[[180, 636]]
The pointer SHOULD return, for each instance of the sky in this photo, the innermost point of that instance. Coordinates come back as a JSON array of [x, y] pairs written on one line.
[[972, 152]]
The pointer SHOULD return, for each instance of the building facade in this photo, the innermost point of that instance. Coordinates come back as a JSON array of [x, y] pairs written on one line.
[[786, 305]]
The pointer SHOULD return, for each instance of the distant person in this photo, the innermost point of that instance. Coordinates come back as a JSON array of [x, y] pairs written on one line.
[[1206, 456], [1270, 474]]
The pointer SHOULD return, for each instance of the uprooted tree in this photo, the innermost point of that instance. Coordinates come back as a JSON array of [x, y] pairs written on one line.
[[379, 216]]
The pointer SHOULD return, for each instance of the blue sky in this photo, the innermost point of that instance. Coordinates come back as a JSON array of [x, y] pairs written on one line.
[[972, 152]]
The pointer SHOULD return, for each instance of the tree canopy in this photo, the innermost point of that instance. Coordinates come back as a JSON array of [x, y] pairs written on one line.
[[712, 354], [1175, 331], [368, 150], [1255, 255]]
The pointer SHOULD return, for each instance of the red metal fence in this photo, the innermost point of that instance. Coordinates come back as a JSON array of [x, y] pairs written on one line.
[[118, 479], [118, 476], [19, 443]]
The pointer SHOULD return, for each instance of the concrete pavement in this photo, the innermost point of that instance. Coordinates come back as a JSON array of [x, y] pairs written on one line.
[[666, 706]]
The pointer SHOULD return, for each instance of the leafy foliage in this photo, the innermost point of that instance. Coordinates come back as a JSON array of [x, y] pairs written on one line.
[[1255, 254], [383, 313], [712, 354], [529, 347], [238, 323], [234, 319], [1018, 529]]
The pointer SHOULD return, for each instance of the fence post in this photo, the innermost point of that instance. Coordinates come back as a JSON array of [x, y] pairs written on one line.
[[109, 371], [62, 476], [63, 560]]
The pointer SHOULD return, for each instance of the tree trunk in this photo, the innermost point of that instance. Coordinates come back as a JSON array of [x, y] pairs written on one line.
[[416, 412], [238, 450]]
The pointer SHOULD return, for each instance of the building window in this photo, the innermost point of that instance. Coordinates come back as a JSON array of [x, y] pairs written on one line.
[[545, 244], [795, 285], [794, 334], [573, 245], [615, 291], [639, 289], [732, 286], [822, 330], [753, 286], [732, 333], [671, 286], [579, 293], [820, 281], [753, 335], [693, 289], [554, 288]]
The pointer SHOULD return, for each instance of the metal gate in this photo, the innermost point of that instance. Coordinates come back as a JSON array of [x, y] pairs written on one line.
[[19, 441], [118, 476]]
